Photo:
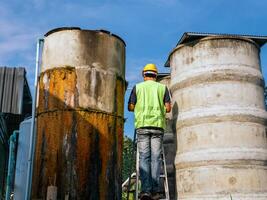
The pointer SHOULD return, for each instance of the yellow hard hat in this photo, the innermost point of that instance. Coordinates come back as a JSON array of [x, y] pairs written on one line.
[[150, 67]]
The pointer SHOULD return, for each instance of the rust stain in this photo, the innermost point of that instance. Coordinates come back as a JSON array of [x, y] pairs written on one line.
[[80, 149], [120, 89], [57, 90]]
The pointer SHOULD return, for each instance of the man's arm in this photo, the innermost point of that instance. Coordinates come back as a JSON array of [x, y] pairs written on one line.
[[132, 100], [131, 107], [167, 101], [168, 107]]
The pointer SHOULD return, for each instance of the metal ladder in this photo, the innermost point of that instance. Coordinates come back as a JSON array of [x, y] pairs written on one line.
[[135, 176]]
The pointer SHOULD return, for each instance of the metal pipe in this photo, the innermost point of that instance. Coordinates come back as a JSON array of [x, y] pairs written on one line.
[[32, 135], [11, 164]]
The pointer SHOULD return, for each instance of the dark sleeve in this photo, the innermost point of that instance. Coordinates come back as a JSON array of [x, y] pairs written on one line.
[[132, 98], [167, 98]]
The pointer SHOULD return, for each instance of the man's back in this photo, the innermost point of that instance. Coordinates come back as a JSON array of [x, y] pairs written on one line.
[[149, 109]]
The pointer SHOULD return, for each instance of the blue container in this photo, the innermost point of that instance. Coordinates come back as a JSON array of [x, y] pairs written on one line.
[[11, 163], [22, 160]]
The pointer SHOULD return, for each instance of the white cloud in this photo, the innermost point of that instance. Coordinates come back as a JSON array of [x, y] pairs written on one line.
[[15, 35], [17, 41]]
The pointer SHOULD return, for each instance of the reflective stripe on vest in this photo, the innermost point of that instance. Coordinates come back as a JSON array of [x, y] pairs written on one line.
[[150, 109]]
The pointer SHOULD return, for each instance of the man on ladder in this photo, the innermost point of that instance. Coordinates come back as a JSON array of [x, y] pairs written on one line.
[[150, 101]]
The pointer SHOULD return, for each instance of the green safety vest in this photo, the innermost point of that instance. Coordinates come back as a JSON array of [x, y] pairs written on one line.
[[149, 109]]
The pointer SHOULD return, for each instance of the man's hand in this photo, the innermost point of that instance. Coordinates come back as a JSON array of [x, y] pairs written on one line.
[[168, 107], [131, 107]]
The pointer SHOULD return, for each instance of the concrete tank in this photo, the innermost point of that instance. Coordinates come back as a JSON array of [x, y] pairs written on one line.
[[169, 140], [80, 115], [217, 87]]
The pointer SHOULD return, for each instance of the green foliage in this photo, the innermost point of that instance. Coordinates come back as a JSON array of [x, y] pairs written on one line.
[[128, 164], [124, 196]]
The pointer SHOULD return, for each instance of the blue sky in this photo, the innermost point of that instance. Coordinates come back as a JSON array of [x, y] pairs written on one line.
[[150, 28]]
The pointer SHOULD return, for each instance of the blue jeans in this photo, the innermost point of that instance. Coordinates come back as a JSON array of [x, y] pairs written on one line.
[[149, 142]]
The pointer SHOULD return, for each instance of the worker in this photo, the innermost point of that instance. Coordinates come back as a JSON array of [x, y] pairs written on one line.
[[150, 101]]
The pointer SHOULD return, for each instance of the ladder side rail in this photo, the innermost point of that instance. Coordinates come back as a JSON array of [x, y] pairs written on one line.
[[166, 185], [137, 173]]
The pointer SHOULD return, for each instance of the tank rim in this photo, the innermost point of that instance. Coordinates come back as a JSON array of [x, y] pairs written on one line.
[[214, 38], [61, 29], [78, 28]]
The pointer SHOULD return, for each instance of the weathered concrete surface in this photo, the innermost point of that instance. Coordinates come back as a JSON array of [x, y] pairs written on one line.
[[82, 48], [169, 144], [80, 116], [217, 88]]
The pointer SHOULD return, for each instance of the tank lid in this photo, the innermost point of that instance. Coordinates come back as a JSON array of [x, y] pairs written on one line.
[[61, 29], [192, 36], [78, 28]]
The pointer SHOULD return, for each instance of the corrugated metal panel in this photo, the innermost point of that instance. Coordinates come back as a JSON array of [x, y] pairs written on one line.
[[191, 36], [3, 154], [13, 85], [17, 94], [15, 104], [3, 131], [2, 81], [8, 90], [2, 169]]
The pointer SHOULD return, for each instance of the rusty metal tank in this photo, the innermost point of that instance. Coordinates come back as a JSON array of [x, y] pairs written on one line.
[[80, 115], [169, 140], [217, 88]]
